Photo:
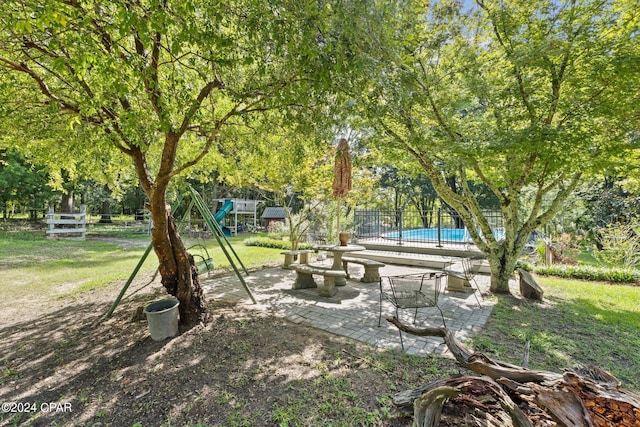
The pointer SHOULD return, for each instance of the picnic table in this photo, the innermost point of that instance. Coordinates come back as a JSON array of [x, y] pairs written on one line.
[[338, 251]]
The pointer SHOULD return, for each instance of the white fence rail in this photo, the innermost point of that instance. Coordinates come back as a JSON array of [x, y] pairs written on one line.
[[67, 225]]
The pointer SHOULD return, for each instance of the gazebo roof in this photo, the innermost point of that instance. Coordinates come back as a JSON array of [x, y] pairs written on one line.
[[276, 212]]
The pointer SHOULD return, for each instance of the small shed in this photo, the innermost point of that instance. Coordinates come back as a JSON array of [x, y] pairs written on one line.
[[273, 214]]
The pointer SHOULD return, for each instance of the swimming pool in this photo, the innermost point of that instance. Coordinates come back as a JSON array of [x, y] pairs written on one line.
[[460, 235]]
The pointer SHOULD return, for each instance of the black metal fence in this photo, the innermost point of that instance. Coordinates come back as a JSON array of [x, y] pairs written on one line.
[[437, 226]]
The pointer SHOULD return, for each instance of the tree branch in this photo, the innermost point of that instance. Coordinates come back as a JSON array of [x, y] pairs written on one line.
[[517, 74], [197, 103], [44, 88], [238, 109], [150, 75], [208, 144], [476, 211], [478, 362], [535, 219]]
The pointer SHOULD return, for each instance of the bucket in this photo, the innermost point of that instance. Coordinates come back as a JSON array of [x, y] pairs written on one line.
[[162, 317]]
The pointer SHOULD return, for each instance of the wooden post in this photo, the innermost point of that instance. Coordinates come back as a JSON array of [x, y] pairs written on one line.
[[83, 221], [50, 223], [548, 254]]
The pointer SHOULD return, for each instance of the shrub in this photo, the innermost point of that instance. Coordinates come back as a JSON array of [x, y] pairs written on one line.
[[525, 266], [540, 248], [266, 242], [620, 244], [586, 272], [277, 230]]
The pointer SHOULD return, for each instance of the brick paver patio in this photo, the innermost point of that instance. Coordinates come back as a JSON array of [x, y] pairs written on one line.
[[353, 311]]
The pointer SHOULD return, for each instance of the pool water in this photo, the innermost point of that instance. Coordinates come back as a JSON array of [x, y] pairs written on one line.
[[446, 234]]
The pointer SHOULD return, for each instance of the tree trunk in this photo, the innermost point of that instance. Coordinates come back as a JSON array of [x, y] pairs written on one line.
[[293, 235], [105, 210], [177, 267], [503, 264], [66, 202], [105, 213]]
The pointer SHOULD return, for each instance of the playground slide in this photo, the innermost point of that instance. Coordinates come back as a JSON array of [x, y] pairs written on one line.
[[227, 207]]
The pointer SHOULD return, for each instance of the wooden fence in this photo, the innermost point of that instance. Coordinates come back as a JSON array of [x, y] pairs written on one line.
[[67, 225]]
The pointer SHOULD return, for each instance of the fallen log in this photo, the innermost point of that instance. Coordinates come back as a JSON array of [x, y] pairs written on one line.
[[582, 397], [478, 362]]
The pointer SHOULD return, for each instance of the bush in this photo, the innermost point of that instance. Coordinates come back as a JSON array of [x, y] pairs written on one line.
[[277, 230], [541, 248], [586, 272], [620, 244], [525, 266], [266, 242]]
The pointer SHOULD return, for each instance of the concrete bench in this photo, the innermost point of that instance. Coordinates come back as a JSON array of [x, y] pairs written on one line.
[[371, 268], [456, 278], [303, 256], [304, 278]]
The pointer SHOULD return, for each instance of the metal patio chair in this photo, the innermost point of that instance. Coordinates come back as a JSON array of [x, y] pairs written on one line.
[[411, 291], [469, 270]]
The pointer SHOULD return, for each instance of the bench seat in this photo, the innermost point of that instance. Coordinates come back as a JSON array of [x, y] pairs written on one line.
[[456, 279], [303, 256], [304, 278], [371, 268]]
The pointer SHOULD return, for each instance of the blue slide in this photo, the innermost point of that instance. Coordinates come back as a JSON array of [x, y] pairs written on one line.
[[227, 207]]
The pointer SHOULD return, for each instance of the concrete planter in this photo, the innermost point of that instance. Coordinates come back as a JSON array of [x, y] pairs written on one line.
[[162, 317], [344, 237]]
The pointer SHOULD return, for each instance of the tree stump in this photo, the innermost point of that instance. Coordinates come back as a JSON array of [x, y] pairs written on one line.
[[529, 288], [507, 395]]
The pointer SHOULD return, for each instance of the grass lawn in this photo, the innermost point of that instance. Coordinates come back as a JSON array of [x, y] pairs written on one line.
[[579, 323], [32, 264]]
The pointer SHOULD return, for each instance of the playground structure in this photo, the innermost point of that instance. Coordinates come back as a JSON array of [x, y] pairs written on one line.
[[227, 207], [240, 214], [233, 216]]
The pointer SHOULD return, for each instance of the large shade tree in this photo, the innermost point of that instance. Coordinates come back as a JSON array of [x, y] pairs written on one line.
[[524, 97], [37, 134], [167, 85]]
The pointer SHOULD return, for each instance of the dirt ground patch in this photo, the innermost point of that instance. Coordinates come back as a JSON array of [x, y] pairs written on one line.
[[245, 367]]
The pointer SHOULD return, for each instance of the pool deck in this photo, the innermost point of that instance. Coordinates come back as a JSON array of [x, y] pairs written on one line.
[[416, 248], [421, 254], [353, 312]]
